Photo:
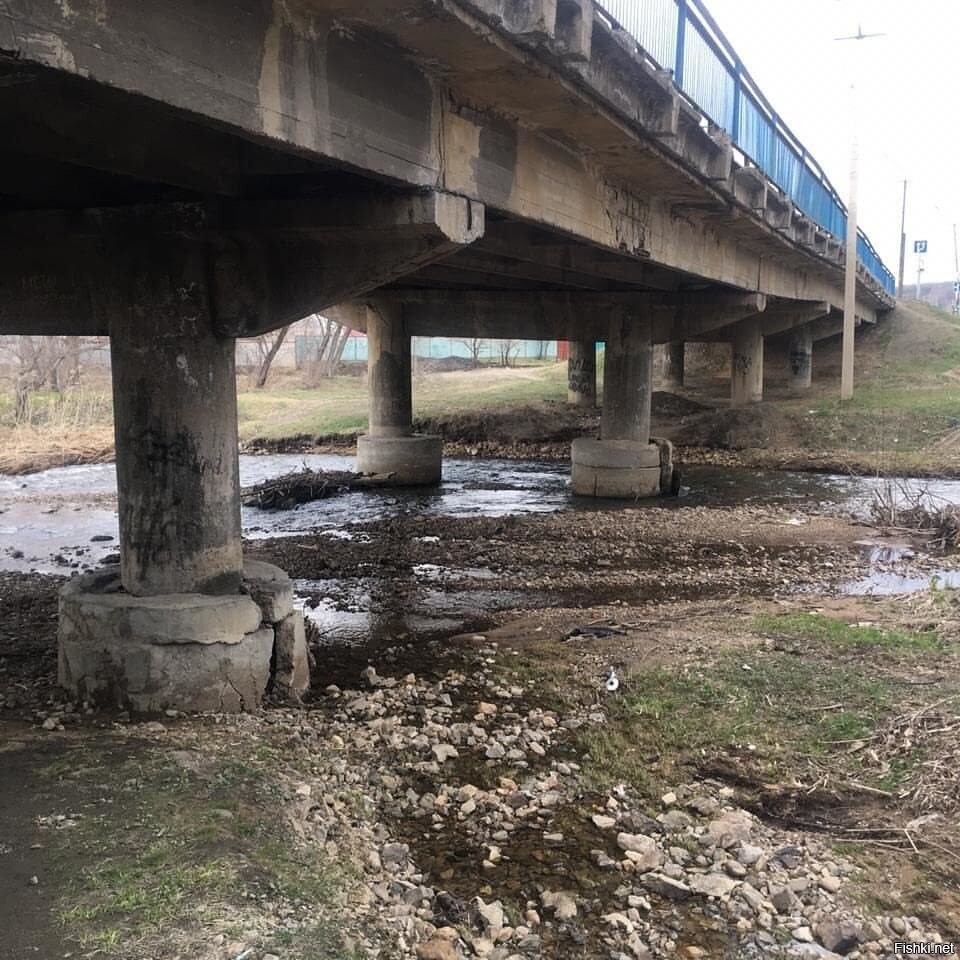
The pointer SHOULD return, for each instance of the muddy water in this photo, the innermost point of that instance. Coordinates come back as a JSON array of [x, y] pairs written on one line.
[[65, 519]]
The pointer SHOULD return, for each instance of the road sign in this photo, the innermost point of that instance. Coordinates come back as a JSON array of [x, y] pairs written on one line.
[[919, 246]]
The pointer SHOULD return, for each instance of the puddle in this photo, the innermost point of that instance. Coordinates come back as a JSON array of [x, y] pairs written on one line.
[[372, 612], [884, 583], [893, 569]]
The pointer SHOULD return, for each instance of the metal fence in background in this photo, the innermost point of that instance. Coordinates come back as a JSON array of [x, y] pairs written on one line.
[[682, 36]]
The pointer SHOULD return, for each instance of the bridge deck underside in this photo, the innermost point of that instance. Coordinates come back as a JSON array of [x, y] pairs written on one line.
[[576, 202]]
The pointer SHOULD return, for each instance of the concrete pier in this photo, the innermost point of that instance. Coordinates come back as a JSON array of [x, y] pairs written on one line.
[[582, 374], [175, 415], [391, 448], [622, 463], [180, 623], [800, 358], [746, 363]]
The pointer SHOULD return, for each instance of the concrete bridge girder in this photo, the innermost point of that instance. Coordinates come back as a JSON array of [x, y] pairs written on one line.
[[637, 171]]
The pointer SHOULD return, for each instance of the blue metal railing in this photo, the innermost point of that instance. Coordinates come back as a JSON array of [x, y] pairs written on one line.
[[682, 36]]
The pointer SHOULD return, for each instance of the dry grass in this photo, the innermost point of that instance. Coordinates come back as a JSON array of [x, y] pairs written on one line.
[[28, 448]]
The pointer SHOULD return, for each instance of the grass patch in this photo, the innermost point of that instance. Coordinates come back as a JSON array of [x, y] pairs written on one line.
[[759, 705], [183, 851], [821, 629]]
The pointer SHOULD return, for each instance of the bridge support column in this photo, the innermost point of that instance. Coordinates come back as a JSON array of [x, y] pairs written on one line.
[[623, 463], [800, 358], [582, 374], [180, 623], [391, 448], [675, 356], [746, 363]]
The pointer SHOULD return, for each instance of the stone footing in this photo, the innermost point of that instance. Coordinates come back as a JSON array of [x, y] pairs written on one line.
[[182, 651], [615, 468], [408, 461]]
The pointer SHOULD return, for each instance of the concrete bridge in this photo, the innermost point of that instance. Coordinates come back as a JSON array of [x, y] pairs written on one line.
[[176, 174]]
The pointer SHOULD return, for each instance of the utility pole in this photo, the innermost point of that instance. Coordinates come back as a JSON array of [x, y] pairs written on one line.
[[850, 269], [850, 284], [903, 241]]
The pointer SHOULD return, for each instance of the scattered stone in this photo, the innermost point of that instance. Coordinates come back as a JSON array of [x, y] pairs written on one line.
[[838, 936], [666, 887], [712, 885], [444, 751], [562, 903], [437, 949]]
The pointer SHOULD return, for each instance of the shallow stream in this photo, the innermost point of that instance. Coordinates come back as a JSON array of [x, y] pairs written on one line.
[[65, 519]]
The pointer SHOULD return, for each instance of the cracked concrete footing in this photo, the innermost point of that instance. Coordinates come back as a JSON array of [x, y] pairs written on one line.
[[185, 651]]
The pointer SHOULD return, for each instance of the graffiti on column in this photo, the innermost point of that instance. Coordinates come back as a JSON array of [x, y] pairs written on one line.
[[741, 363], [580, 374], [799, 362]]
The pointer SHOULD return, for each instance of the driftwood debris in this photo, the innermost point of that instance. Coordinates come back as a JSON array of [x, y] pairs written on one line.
[[302, 486]]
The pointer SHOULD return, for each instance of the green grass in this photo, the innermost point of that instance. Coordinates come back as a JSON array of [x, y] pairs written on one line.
[[772, 707], [179, 851], [818, 628]]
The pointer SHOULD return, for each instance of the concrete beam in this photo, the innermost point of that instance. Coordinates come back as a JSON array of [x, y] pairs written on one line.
[[777, 318], [267, 264], [565, 316]]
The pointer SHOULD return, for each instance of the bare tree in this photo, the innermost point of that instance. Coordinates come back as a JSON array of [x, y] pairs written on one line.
[[508, 350], [327, 343], [35, 363], [268, 351], [475, 347]]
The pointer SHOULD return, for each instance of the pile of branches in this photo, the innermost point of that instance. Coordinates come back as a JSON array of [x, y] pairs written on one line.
[[927, 742], [917, 512], [302, 486]]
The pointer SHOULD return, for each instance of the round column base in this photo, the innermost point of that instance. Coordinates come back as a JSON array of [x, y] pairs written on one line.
[[187, 651], [619, 469], [402, 461]]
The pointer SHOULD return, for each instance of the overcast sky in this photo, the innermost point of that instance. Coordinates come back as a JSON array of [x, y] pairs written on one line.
[[907, 90]]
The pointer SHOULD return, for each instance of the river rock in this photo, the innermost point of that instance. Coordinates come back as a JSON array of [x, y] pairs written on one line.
[[838, 936], [666, 887], [562, 903], [712, 885], [437, 949]]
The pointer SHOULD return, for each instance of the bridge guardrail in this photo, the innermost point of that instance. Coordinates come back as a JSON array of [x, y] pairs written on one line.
[[682, 36]]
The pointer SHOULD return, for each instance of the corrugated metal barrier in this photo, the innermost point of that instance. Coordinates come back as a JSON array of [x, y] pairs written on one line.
[[680, 35]]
